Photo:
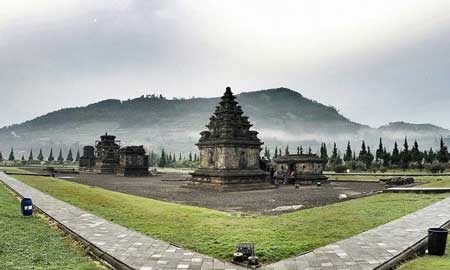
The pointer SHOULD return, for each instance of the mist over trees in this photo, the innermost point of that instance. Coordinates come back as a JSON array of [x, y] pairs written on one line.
[[405, 158]]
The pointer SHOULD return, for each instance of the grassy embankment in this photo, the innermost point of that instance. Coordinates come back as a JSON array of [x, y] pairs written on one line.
[[30, 243], [429, 180], [430, 262], [216, 233]]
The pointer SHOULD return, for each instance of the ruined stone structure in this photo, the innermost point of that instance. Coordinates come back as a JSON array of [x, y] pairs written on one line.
[[229, 151], [87, 161], [301, 169], [107, 154], [133, 161]]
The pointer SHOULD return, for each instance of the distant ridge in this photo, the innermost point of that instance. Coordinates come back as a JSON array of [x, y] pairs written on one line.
[[281, 115]]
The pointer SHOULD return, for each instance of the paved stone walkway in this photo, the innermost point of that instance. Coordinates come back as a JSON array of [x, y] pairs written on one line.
[[131, 248], [367, 250]]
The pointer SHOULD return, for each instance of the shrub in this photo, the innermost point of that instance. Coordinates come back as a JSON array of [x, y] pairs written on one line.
[[436, 168], [340, 169]]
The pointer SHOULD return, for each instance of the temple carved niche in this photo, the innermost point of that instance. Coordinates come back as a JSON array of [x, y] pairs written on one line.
[[229, 150], [107, 154], [133, 161]]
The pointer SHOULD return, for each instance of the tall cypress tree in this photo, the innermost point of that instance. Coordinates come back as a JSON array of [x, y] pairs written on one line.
[[23, 158], [405, 155], [324, 152], [50, 156], [77, 158], [11, 155], [30, 157], [60, 156], [40, 157], [196, 158], [363, 152], [69, 156], [338, 158], [348, 152], [430, 157], [1, 157], [416, 154], [334, 155], [442, 155], [368, 158], [190, 156], [267, 153], [286, 151], [395, 158], [379, 152], [386, 157], [162, 160], [276, 152]]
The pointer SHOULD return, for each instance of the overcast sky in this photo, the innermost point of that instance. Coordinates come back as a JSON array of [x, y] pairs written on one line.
[[377, 61]]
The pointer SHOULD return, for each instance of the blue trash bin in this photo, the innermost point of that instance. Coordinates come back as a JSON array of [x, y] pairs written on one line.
[[27, 207]]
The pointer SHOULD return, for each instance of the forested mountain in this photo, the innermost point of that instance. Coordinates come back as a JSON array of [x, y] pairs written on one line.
[[282, 116]]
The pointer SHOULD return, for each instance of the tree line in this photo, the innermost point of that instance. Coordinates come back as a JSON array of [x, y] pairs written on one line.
[[365, 159], [171, 160], [40, 157]]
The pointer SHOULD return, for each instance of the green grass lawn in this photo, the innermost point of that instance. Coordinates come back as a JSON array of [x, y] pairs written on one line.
[[430, 181], [430, 262], [353, 177], [441, 182], [30, 243], [216, 233], [13, 170]]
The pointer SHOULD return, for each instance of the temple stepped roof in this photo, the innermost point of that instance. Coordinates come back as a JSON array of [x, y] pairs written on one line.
[[229, 123]]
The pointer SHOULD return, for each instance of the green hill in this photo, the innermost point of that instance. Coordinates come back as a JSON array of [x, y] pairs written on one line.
[[282, 116]]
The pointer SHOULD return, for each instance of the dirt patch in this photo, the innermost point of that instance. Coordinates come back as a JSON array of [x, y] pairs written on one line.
[[169, 187]]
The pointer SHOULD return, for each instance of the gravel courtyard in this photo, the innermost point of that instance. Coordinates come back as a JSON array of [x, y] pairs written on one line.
[[169, 187]]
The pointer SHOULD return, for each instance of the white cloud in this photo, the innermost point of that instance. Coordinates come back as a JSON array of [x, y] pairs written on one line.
[[345, 53]]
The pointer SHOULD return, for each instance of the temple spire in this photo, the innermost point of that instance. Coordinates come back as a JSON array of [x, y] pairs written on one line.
[[228, 122]]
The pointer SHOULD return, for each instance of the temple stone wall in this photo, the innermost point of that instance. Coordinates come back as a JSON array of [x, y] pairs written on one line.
[[300, 169], [222, 157], [306, 168]]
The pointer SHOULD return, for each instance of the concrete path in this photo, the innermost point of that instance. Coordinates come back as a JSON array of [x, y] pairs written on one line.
[[368, 250]]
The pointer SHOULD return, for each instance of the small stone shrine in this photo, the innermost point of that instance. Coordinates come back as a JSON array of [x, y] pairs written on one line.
[[229, 151], [87, 161], [133, 161], [107, 154], [303, 169]]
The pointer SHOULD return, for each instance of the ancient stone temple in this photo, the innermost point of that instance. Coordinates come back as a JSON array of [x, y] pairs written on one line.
[[107, 154], [87, 161], [229, 151], [133, 161], [301, 169]]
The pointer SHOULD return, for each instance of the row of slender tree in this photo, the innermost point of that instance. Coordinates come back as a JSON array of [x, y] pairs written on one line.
[[402, 158], [40, 157], [172, 160], [162, 160]]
